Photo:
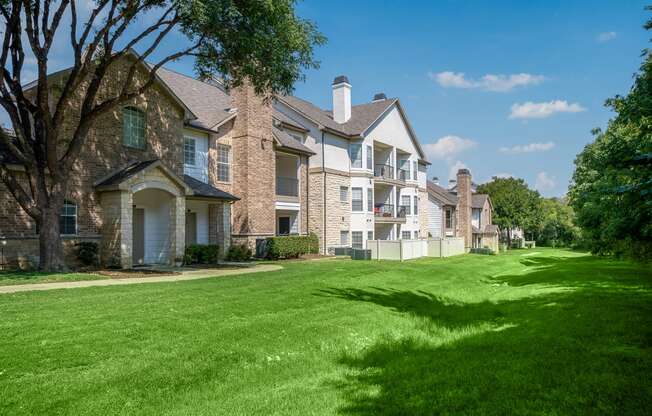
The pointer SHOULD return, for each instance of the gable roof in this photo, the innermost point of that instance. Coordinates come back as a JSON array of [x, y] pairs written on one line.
[[363, 117], [211, 105], [441, 194], [285, 141], [478, 200], [204, 190]]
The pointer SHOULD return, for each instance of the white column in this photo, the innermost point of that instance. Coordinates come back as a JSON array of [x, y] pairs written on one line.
[[126, 229]]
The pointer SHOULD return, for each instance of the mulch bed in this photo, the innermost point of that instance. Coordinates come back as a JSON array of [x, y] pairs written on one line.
[[134, 273]]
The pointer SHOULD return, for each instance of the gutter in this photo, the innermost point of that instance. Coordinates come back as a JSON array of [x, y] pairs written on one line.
[[323, 166]]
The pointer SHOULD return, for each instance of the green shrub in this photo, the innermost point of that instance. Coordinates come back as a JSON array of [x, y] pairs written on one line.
[[201, 254], [291, 246], [240, 252], [87, 252], [485, 250]]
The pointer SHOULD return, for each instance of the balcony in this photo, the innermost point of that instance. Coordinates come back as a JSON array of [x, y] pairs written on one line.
[[288, 187], [385, 213], [385, 174]]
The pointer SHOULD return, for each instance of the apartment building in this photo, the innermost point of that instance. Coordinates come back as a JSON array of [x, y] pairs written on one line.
[[367, 177]]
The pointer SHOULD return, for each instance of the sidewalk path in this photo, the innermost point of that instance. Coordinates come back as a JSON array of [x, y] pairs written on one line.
[[185, 275]]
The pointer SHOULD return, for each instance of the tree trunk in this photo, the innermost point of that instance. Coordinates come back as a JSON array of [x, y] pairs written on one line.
[[509, 238], [51, 257]]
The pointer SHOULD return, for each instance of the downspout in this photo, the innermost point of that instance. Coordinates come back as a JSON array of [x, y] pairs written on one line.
[[323, 169]]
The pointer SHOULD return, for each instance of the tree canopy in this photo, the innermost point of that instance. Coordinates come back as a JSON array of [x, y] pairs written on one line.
[[515, 205], [611, 190]]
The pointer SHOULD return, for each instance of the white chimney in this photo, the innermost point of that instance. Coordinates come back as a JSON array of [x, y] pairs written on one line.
[[341, 99]]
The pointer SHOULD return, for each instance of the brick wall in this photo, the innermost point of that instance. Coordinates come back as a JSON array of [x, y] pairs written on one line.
[[254, 167], [338, 214], [464, 206], [104, 152]]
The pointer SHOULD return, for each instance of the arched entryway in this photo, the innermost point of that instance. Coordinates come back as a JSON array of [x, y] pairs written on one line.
[[151, 231]]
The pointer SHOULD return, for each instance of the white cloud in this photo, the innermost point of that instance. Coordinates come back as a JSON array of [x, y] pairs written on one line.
[[544, 182], [488, 82], [448, 146], [606, 36], [544, 110], [528, 148], [452, 171]]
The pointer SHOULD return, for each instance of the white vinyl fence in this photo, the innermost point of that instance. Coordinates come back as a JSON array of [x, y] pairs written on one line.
[[412, 249]]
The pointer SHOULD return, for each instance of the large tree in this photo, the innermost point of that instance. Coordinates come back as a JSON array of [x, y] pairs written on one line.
[[259, 40], [515, 205], [557, 224], [611, 190]]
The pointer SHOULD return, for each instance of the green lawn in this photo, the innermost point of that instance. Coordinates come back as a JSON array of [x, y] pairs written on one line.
[[531, 332], [9, 278]]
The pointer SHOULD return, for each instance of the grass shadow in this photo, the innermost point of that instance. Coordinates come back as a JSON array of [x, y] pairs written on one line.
[[583, 351]]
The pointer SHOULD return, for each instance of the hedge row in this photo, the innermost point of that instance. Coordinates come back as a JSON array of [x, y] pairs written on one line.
[[291, 246], [201, 254]]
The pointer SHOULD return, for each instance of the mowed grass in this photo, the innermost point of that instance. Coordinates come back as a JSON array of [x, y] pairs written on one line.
[[10, 278], [531, 332]]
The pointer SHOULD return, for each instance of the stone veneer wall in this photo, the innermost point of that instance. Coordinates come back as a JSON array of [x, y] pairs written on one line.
[[464, 206], [338, 214], [423, 213]]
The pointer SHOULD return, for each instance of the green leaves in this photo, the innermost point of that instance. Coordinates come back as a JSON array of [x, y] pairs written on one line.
[[612, 183]]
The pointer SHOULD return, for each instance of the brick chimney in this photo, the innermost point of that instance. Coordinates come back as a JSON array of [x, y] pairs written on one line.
[[254, 167], [464, 206]]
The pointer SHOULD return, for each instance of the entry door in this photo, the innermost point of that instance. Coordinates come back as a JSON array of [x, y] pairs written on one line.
[[284, 225], [191, 228], [138, 229]]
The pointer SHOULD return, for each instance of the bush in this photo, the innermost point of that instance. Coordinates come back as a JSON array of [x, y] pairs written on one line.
[[201, 254], [239, 252], [291, 246], [485, 250], [87, 252]]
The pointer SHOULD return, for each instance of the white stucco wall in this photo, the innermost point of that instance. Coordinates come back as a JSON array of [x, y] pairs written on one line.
[[199, 170]]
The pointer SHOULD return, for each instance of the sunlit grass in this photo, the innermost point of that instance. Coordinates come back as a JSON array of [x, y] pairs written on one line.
[[551, 333]]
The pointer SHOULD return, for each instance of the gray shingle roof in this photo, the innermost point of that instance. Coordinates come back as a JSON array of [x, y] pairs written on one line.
[[441, 194], [287, 120], [126, 172], [478, 200], [208, 102], [205, 190], [362, 116], [289, 142]]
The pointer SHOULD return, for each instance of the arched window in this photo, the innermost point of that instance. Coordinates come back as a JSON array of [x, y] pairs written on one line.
[[133, 127], [68, 219]]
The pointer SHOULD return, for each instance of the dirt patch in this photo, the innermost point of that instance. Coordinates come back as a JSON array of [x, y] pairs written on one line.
[[134, 273]]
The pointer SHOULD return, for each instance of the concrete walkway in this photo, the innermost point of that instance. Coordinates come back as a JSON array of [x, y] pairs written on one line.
[[185, 275]]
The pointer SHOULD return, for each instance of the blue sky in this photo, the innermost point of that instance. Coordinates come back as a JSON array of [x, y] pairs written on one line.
[[500, 87], [574, 51]]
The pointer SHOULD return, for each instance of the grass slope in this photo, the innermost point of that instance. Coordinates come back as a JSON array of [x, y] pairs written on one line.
[[548, 332]]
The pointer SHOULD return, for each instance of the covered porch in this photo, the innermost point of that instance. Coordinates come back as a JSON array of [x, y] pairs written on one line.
[[150, 215]]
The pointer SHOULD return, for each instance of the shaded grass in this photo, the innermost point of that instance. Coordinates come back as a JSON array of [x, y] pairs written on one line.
[[553, 333]]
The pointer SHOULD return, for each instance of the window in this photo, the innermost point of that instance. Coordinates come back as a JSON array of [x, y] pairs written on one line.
[[133, 127], [370, 200], [449, 219], [370, 157], [356, 199], [405, 235], [189, 151], [344, 238], [416, 205], [223, 163], [405, 201], [356, 239], [370, 235], [415, 170], [355, 153], [68, 219], [344, 194], [416, 235]]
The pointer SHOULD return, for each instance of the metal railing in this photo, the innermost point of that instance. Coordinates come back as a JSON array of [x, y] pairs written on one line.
[[384, 171], [402, 211], [402, 175], [384, 210], [287, 186]]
